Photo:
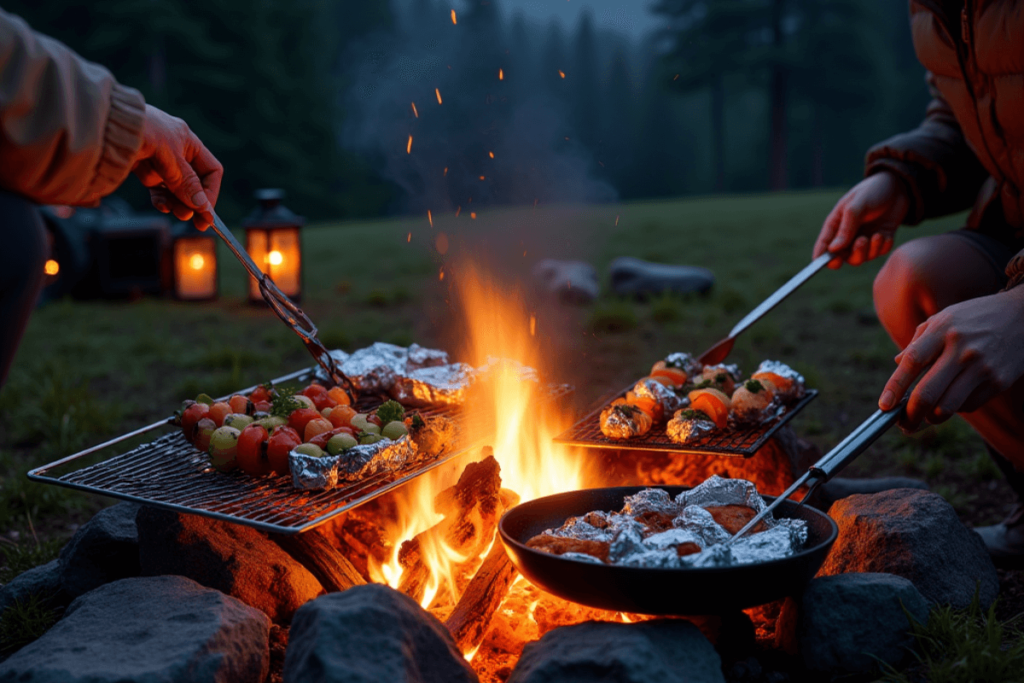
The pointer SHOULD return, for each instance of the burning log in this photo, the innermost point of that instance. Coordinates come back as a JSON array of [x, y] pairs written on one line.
[[471, 509], [472, 615], [313, 551]]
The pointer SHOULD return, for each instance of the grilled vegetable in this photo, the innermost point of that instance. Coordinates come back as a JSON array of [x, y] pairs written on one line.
[[251, 454], [191, 416], [224, 448], [391, 411], [218, 411], [279, 445]]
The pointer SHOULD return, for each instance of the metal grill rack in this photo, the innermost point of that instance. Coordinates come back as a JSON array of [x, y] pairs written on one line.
[[743, 442], [169, 472]]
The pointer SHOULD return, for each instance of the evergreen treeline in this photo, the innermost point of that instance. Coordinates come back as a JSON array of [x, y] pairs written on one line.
[[317, 96]]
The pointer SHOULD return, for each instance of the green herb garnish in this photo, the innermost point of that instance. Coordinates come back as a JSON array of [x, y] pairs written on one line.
[[417, 422], [204, 398], [283, 402], [753, 386], [695, 415], [391, 411], [704, 384]]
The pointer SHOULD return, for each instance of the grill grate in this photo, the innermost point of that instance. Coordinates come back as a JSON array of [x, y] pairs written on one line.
[[739, 442], [169, 472]]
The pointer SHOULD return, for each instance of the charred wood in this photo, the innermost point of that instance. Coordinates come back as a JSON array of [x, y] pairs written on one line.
[[472, 615], [313, 551]]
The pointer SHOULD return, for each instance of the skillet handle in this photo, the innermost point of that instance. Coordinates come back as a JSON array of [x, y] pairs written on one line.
[[862, 437]]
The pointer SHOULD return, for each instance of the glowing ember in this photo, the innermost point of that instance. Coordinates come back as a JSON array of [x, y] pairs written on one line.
[[616, 220], [408, 238], [445, 174], [472, 215], [561, 73], [490, 154], [458, 210], [501, 74], [430, 218], [51, 267], [440, 277], [483, 178], [408, 146], [454, 20], [415, 113], [437, 91]]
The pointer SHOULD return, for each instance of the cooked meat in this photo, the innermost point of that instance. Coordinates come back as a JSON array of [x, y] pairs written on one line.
[[654, 522], [688, 548], [557, 545], [733, 517]]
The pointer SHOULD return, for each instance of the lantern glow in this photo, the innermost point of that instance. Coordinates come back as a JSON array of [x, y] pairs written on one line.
[[272, 238], [51, 267], [195, 267]]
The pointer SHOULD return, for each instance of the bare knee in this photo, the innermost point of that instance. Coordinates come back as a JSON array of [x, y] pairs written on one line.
[[904, 291]]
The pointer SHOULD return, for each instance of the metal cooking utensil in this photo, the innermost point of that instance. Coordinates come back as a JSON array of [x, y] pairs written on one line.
[[285, 308], [717, 353], [835, 460]]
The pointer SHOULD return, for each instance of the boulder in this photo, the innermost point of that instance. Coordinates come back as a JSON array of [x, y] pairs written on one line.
[[164, 629], [371, 633], [843, 487], [43, 580], [664, 650], [917, 535], [571, 281], [843, 622], [632, 277], [104, 549], [234, 559]]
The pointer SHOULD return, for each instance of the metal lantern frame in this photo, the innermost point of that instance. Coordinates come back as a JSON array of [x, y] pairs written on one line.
[[271, 219]]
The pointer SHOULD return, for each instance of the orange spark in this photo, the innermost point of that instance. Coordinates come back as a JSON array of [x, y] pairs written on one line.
[[408, 146], [501, 74], [561, 73], [616, 220], [437, 91], [454, 20], [676, 77], [414, 112], [458, 210], [472, 214], [445, 174], [524, 254], [533, 326], [408, 238], [441, 275], [490, 154], [483, 177], [430, 218]]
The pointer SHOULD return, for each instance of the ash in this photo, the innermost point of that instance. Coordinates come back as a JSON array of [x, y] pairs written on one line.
[[655, 531]]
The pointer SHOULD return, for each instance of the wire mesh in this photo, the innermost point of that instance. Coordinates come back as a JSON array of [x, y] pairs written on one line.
[[171, 473], [741, 441]]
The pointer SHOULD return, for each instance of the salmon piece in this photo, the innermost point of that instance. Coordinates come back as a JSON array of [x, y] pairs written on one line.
[[732, 518], [558, 545]]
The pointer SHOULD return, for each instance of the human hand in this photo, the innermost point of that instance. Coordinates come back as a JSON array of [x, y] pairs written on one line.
[[863, 222], [975, 351], [183, 177]]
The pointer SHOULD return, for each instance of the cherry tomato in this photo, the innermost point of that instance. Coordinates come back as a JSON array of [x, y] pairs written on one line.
[[342, 415], [316, 426], [240, 404], [262, 406], [202, 432], [280, 443], [191, 416], [300, 418], [250, 450], [340, 396], [259, 394], [218, 411]]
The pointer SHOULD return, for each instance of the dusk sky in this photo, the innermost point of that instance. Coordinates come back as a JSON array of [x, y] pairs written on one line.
[[628, 16]]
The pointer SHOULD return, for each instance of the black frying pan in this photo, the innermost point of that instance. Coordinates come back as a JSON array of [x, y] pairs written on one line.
[[710, 590]]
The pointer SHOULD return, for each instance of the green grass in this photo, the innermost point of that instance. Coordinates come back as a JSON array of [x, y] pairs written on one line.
[[25, 621], [964, 646], [21, 558]]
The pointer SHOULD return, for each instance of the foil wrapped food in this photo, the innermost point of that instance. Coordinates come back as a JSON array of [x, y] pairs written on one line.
[[653, 530], [662, 395], [685, 362], [355, 464], [796, 388], [684, 430], [617, 423], [433, 385]]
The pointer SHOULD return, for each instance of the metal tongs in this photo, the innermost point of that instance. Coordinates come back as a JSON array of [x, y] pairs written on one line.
[[717, 353], [835, 460], [285, 308]]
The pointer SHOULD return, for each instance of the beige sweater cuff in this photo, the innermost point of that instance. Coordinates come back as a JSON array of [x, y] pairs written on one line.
[[122, 137]]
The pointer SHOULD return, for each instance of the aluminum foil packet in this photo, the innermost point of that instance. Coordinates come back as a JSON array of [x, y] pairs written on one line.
[[375, 368], [685, 362], [310, 473], [619, 424], [782, 370], [433, 385], [684, 430], [661, 394]]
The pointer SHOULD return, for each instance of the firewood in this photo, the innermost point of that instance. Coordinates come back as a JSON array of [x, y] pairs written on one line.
[[472, 615], [312, 550], [471, 509]]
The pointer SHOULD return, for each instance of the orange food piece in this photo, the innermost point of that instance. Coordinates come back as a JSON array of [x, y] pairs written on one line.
[[218, 411], [778, 382], [718, 413], [342, 416], [316, 426], [340, 396], [647, 405], [676, 376]]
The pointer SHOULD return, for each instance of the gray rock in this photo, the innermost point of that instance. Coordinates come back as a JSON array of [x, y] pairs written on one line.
[[231, 558], [632, 277], [843, 487], [572, 281], [843, 622], [43, 580], [165, 629], [104, 549], [371, 633], [917, 535], [666, 651]]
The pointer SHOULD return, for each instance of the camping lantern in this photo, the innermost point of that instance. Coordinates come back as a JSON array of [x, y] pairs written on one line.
[[194, 257], [272, 238]]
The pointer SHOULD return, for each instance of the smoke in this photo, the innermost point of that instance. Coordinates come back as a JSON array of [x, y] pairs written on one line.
[[487, 122]]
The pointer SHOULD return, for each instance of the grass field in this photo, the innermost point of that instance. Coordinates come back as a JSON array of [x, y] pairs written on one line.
[[90, 370]]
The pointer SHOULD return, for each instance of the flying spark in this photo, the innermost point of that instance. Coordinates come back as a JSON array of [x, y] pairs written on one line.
[[454, 20], [483, 177], [408, 238], [676, 77], [414, 112], [437, 91], [441, 276], [490, 154], [561, 73], [472, 214], [408, 146], [429, 218], [445, 174], [616, 220], [501, 74], [458, 210]]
